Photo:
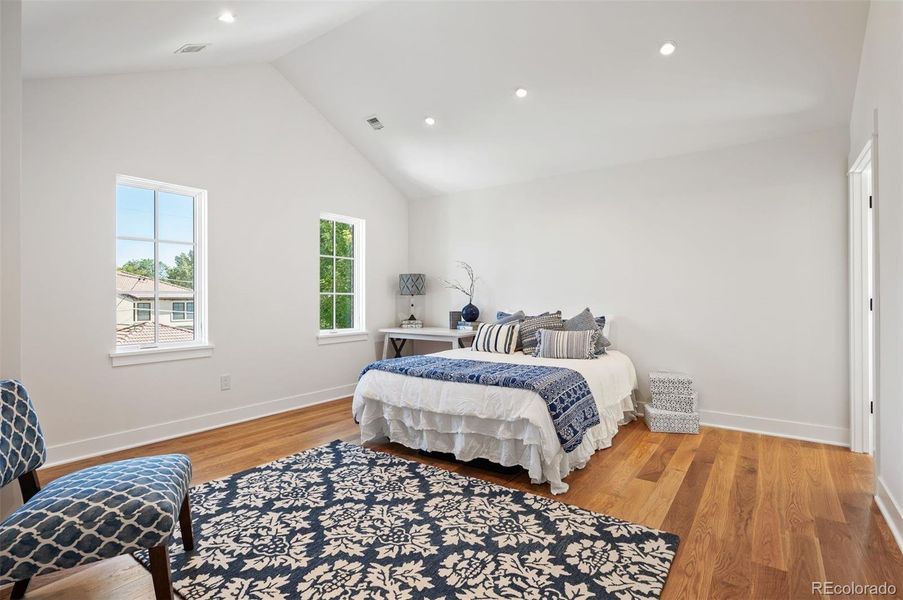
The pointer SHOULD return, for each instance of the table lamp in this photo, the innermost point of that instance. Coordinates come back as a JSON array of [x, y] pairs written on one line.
[[412, 284]]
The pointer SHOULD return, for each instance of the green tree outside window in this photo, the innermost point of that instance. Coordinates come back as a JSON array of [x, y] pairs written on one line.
[[337, 266]]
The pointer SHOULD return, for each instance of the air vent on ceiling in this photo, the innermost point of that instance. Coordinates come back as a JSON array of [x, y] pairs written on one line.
[[191, 48], [374, 123]]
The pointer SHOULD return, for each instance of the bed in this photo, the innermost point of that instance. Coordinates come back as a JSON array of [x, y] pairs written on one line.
[[504, 425]]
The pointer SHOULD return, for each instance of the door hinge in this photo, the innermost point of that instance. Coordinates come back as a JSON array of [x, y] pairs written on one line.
[[872, 408], [870, 201]]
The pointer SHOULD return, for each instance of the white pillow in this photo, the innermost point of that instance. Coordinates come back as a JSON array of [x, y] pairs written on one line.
[[499, 339]]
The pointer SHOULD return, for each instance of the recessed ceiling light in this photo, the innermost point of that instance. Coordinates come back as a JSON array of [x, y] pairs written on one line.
[[667, 49], [227, 17], [520, 93], [430, 121]]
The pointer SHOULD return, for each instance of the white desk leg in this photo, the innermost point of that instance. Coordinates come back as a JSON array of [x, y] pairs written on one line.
[[454, 344], [386, 347]]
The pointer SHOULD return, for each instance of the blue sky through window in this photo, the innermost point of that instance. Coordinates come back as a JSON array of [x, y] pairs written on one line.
[[135, 218]]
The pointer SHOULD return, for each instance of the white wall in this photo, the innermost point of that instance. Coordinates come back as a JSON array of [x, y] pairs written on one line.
[[729, 265], [270, 163], [10, 183], [880, 89]]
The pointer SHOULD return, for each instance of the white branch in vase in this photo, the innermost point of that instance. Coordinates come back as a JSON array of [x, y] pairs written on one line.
[[457, 285]]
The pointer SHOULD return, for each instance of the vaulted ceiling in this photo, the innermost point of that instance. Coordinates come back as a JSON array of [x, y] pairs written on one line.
[[598, 91], [64, 38]]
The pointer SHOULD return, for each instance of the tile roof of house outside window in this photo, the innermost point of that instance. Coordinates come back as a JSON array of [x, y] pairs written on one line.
[[143, 333], [142, 288]]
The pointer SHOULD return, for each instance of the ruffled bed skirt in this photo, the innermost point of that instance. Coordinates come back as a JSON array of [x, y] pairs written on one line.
[[507, 443]]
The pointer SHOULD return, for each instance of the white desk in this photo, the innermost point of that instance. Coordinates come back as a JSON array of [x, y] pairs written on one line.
[[455, 337]]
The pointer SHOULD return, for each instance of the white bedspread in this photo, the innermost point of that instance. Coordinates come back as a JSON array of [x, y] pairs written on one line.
[[507, 426]]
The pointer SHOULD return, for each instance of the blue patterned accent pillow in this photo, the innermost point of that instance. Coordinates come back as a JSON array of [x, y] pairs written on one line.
[[531, 325], [503, 318], [584, 321], [499, 315]]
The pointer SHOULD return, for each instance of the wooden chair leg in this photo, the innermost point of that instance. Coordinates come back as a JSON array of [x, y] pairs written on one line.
[[160, 572], [19, 589], [185, 525], [29, 484]]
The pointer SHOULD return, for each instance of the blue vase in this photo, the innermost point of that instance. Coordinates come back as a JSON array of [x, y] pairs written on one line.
[[470, 313]]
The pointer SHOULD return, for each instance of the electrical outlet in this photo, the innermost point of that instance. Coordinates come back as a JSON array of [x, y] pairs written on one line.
[[225, 382]]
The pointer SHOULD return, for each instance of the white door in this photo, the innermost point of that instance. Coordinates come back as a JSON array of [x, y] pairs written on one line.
[[863, 304], [870, 270]]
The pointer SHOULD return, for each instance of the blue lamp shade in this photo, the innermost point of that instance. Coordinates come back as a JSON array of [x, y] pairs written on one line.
[[412, 284]]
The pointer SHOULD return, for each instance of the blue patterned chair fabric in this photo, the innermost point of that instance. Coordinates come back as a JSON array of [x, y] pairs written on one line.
[[86, 516], [97, 513], [21, 440]]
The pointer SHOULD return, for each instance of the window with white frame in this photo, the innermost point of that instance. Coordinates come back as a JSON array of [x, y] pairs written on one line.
[[142, 311], [183, 311], [160, 279], [341, 274]]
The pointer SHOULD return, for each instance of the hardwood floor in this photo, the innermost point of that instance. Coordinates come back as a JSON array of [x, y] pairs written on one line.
[[759, 517]]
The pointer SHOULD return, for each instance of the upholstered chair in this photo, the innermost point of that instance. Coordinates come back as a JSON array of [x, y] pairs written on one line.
[[86, 516]]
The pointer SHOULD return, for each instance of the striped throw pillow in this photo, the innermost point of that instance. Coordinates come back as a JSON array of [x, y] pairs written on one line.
[[501, 339], [566, 344]]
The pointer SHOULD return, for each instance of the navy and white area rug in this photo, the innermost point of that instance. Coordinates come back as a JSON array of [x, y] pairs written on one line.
[[344, 522]]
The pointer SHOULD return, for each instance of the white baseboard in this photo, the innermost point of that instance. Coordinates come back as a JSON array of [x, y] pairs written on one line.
[[810, 432], [122, 440], [891, 510]]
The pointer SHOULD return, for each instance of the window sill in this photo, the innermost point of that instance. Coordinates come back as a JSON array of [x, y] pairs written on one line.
[[124, 358], [342, 337]]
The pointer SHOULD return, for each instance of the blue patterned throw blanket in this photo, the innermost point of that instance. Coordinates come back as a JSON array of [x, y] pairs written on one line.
[[566, 393]]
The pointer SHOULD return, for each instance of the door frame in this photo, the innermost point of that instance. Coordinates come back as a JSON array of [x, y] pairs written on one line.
[[863, 374]]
